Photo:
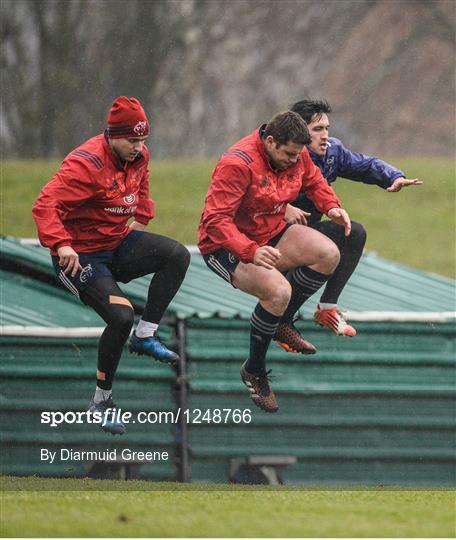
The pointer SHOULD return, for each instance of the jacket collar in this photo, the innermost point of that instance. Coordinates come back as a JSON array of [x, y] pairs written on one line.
[[317, 159]]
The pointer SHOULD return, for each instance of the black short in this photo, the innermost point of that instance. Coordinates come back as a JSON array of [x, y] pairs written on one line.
[[140, 253], [224, 263]]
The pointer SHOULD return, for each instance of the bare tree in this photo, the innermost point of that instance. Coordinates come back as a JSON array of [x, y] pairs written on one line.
[[209, 71]]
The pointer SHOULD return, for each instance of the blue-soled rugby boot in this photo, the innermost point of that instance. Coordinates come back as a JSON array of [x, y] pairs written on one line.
[[152, 346], [109, 421]]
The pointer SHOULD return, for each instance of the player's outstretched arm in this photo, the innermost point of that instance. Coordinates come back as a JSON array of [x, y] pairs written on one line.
[[401, 182]]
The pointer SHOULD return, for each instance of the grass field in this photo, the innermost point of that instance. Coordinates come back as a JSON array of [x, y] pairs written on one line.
[[88, 508], [415, 226]]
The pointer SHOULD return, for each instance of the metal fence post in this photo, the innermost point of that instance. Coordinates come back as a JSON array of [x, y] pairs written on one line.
[[182, 400]]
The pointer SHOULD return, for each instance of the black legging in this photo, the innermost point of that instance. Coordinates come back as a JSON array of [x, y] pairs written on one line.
[[351, 249], [151, 253]]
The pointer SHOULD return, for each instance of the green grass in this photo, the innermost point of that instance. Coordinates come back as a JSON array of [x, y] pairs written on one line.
[[415, 226], [174, 510], [178, 188]]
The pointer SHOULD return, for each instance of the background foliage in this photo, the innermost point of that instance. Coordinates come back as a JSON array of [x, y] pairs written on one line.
[[209, 71]]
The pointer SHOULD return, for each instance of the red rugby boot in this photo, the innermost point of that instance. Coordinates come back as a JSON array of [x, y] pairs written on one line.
[[291, 340], [334, 320]]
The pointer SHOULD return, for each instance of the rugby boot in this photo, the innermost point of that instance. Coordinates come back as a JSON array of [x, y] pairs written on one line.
[[152, 346], [260, 391], [291, 340], [334, 320], [109, 421]]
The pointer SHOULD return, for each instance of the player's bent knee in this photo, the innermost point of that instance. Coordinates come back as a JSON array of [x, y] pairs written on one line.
[[358, 235], [334, 256], [280, 295], [327, 259], [180, 257], [122, 317], [124, 321]]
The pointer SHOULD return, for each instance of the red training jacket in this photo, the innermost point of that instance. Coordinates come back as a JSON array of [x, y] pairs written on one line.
[[246, 201], [89, 201]]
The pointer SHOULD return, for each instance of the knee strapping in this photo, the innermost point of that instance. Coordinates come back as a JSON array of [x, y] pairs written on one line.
[[120, 300]]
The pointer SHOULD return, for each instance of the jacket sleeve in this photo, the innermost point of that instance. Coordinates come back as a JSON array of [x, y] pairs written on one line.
[[146, 206], [316, 187], [365, 169], [70, 187], [226, 192]]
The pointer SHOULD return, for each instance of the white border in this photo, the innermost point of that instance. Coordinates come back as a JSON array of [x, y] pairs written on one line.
[[400, 316], [35, 242], [358, 316], [58, 332], [355, 316]]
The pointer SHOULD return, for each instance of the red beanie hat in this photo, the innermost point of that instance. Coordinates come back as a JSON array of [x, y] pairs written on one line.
[[127, 119]]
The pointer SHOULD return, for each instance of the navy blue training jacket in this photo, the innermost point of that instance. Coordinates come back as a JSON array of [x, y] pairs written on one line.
[[339, 161]]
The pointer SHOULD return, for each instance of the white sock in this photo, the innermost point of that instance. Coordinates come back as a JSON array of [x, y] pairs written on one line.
[[145, 329], [324, 305], [101, 395]]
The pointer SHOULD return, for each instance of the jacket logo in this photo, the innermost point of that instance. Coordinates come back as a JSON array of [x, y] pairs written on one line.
[[115, 189], [265, 182], [122, 210], [140, 128], [275, 210], [129, 199], [330, 160]]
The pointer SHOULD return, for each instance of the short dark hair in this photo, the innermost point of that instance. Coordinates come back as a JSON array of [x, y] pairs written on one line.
[[308, 108], [287, 126]]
